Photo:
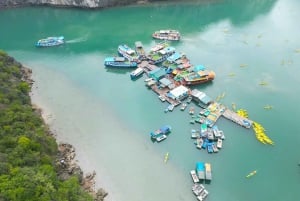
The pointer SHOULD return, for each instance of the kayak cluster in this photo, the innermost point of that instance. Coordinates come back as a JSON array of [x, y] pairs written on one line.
[[260, 134], [242, 113], [258, 129]]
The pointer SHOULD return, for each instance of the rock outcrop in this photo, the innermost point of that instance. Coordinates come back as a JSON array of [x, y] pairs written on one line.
[[67, 3], [67, 167]]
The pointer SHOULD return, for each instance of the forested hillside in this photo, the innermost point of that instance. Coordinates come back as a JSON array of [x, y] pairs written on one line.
[[27, 149]]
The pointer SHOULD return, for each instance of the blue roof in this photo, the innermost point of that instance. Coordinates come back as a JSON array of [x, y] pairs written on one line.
[[165, 129], [200, 166], [198, 68], [174, 57]]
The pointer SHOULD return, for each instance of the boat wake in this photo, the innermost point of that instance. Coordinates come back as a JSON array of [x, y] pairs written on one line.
[[78, 40]]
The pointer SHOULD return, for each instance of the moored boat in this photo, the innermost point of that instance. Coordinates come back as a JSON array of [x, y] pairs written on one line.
[[119, 62], [200, 169], [208, 175], [50, 41], [172, 35], [136, 73], [184, 105], [219, 143], [127, 52], [194, 176], [161, 138], [139, 49], [161, 131], [161, 55], [202, 195], [199, 77], [197, 189]]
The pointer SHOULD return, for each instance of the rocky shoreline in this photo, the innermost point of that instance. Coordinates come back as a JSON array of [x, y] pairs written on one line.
[[65, 162], [83, 4]]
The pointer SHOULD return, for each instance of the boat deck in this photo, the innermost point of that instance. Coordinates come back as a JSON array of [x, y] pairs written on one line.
[[242, 121]]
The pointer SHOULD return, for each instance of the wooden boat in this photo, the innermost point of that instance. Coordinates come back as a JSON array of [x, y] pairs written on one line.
[[194, 176], [171, 35], [199, 77], [268, 107], [251, 174], [50, 41]]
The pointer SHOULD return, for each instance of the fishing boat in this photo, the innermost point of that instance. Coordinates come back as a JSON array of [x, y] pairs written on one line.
[[119, 62], [128, 53], [166, 157], [251, 174], [50, 41], [194, 176], [191, 110], [136, 73], [194, 78], [161, 131], [171, 35]]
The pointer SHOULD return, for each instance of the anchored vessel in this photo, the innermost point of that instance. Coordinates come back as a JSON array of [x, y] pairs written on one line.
[[50, 41], [172, 35], [119, 62]]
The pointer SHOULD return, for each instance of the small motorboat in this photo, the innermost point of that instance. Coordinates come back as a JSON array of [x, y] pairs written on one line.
[[251, 174]]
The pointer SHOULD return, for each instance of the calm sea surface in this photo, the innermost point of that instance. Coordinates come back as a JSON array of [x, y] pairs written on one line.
[[108, 117]]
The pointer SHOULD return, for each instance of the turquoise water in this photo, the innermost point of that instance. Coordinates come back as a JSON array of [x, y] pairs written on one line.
[[107, 117]]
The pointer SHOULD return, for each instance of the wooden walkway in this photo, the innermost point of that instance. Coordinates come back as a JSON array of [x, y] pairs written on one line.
[[242, 121]]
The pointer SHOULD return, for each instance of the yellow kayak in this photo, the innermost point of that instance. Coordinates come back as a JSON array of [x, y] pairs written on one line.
[[166, 157], [251, 174]]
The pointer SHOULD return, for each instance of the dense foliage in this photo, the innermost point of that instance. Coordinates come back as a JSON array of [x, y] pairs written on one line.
[[27, 151]]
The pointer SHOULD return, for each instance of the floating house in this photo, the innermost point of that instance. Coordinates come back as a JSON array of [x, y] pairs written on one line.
[[201, 98], [157, 74], [165, 82], [179, 93]]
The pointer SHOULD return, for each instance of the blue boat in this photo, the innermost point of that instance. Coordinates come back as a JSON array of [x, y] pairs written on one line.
[[50, 41], [200, 169], [161, 131], [128, 53], [119, 62]]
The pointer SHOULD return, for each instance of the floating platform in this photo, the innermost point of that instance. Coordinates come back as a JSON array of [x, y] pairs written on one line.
[[242, 121]]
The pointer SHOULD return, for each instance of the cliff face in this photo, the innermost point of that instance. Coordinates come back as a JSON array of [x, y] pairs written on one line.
[[65, 3]]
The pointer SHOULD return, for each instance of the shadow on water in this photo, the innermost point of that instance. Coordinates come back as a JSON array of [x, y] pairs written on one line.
[[118, 70]]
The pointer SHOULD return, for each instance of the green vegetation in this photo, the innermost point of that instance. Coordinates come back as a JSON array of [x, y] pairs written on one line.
[[27, 150]]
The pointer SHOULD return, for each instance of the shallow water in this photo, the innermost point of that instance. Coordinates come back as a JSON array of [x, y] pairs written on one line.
[[107, 117]]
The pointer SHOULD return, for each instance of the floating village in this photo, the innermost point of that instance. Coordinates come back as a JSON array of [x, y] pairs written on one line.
[[170, 75]]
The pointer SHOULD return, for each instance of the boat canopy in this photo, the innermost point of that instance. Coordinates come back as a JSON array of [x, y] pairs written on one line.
[[199, 68], [165, 129], [200, 166]]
